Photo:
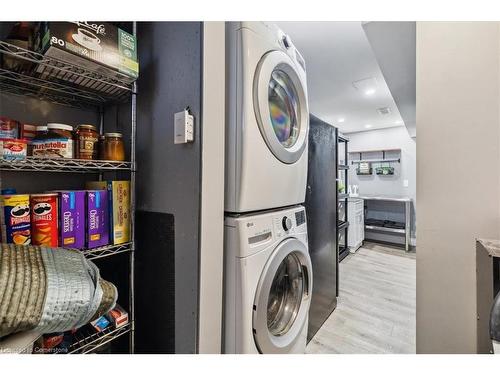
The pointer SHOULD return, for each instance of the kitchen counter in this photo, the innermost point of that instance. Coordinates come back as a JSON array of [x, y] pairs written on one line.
[[392, 198], [487, 286], [492, 247], [407, 224]]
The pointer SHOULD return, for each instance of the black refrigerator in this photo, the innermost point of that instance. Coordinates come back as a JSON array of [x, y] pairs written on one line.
[[321, 209]]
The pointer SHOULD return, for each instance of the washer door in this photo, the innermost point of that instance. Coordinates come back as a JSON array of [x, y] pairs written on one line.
[[282, 299], [280, 104]]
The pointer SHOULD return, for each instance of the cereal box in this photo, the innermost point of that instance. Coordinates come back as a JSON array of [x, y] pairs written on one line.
[[119, 208], [72, 219], [97, 218]]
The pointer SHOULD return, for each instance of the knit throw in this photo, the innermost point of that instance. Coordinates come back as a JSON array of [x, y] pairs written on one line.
[[50, 290]]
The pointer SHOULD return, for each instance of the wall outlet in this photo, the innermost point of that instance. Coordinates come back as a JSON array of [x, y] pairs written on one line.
[[183, 127], [405, 183]]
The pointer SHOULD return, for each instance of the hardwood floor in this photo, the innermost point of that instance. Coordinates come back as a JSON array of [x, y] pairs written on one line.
[[376, 307]]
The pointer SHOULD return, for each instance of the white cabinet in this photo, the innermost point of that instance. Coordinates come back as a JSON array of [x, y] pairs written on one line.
[[356, 218]]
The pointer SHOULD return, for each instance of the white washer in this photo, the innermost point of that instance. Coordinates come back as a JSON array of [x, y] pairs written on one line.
[[268, 282], [267, 119]]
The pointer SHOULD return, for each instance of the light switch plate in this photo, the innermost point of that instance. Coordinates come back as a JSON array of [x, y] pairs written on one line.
[[405, 183]]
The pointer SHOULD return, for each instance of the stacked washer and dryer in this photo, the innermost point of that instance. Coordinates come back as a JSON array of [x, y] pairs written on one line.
[[268, 275]]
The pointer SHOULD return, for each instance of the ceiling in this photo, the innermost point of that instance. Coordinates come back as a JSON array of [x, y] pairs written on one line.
[[394, 45], [338, 54]]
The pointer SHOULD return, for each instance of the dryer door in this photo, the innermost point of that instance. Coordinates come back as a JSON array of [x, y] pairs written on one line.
[[280, 103], [282, 299]]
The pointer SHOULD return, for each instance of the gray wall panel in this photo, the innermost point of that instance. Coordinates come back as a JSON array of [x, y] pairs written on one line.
[[168, 177]]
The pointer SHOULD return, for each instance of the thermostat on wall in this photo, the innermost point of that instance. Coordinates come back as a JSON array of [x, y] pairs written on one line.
[[183, 127]]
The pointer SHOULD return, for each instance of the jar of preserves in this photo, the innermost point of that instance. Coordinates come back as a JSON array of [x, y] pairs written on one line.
[[86, 142], [113, 147], [56, 143]]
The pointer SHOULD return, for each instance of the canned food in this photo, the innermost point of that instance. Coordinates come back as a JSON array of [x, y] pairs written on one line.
[[27, 131], [44, 219], [15, 219], [9, 128]]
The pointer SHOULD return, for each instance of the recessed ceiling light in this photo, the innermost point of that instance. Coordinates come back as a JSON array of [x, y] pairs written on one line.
[[399, 122], [367, 85], [341, 120], [368, 126]]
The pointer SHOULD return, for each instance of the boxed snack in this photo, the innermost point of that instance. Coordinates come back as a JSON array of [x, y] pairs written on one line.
[[119, 208], [100, 323], [15, 219], [13, 149], [97, 218], [44, 219], [72, 219], [118, 316], [9, 128], [51, 340], [95, 45], [27, 131]]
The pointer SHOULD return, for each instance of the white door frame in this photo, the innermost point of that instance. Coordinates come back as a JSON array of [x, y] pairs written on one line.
[[212, 190]]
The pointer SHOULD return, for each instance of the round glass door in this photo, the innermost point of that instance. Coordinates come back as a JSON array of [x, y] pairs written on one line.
[[282, 298], [280, 104], [285, 296], [284, 108]]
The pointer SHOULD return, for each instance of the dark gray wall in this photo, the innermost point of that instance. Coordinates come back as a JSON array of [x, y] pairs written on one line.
[[36, 112], [168, 177]]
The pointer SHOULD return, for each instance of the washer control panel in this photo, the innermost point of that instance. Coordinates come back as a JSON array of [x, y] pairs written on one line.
[[289, 223], [286, 223], [260, 230]]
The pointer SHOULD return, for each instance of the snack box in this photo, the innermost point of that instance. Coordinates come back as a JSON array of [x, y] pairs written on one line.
[[98, 46], [72, 218], [13, 149], [100, 323], [119, 208], [97, 218], [118, 316], [9, 128], [15, 222]]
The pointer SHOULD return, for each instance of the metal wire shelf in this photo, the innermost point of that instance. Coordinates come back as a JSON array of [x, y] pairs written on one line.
[[57, 81], [87, 344], [106, 251], [37, 164]]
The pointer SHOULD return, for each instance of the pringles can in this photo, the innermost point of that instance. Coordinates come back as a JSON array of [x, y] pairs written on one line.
[[15, 219], [44, 219]]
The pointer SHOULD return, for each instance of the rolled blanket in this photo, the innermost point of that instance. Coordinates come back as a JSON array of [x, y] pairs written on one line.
[[50, 289]]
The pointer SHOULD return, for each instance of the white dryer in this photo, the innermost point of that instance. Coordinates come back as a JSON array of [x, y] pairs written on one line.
[[268, 282], [267, 119]]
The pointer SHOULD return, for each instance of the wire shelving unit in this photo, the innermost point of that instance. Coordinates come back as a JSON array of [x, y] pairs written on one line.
[[58, 82]]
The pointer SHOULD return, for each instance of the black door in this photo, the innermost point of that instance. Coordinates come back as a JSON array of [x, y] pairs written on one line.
[[321, 209]]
